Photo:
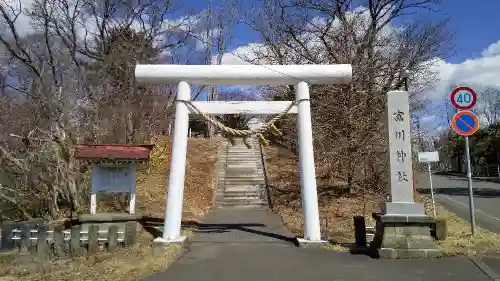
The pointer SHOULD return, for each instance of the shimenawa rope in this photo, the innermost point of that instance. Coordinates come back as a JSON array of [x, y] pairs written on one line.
[[230, 133]]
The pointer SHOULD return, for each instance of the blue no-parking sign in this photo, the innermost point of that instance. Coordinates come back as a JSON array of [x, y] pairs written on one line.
[[465, 123]]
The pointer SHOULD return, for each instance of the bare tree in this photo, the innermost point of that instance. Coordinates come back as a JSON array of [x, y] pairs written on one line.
[[70, 78], [349, 121], [220, 22], [489, 104]]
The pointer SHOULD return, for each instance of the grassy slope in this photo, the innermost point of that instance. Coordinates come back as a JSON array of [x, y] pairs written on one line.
[[132, 264]]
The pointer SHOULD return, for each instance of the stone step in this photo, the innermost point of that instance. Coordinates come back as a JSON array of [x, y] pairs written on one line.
[[242, 156], [242, 201], [233, 175], [239, 188], [240, 176], [236, 173], [230, 175], [259, 176], [237, 183], [242, 171], [244, 165], [237, 198], [240, 205], [239, 194], [240, 165], [234, 164], [243, 175], [242, 187]]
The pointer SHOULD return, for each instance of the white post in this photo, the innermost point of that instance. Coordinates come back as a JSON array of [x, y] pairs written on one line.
[[96, 175], [306, 160], [131, 206], [132, 189], [432, 189], [93, 203], [173, 211]]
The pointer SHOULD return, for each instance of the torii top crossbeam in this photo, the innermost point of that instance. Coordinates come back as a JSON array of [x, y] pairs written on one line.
[[243, 74]]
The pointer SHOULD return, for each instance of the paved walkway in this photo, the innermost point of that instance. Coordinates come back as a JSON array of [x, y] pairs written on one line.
[[244, 244]]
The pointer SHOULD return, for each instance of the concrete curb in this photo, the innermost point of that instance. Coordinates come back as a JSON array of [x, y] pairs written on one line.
[[485, 268]]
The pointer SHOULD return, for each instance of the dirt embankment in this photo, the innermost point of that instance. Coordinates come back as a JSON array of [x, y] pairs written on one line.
[[198, 185], [336, 207]]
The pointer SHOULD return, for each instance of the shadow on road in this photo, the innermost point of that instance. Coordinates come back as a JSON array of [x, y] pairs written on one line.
[[479, 192], [462, 177], [150, 223], [223, 227]]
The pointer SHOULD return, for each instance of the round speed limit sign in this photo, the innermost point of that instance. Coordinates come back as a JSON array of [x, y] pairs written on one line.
[[463, 98]]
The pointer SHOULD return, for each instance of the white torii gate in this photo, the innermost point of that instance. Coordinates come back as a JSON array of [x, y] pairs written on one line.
[[298, 75]]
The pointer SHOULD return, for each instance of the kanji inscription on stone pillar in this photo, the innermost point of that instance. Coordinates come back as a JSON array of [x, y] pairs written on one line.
[[400, 157]]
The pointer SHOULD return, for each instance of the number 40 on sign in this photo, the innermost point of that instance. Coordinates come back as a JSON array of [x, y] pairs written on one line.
[[463, 98]]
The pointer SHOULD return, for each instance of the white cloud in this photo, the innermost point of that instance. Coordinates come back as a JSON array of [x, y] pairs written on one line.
[[483, 71], [492, 50], [242, 55]]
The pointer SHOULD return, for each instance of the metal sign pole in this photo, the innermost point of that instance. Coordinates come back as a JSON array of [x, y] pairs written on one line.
[[471, 194], [432, 190], [466, 123]]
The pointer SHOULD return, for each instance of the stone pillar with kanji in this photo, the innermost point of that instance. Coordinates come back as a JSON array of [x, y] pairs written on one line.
[[402, 228]]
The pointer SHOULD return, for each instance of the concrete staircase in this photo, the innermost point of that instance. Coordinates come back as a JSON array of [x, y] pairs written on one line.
[[241, 177]]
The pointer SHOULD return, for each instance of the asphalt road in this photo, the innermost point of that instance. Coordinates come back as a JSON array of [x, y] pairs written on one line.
[[452, 192]]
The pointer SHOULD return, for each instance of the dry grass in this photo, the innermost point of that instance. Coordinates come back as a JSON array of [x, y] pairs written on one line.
[[134, 263], [125, 264], [198, 185], [152, 180], [335, 206], [339, 209], [460, 241]]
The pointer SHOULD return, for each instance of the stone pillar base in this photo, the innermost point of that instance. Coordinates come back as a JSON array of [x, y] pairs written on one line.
[[304, 243], [160, 244], [403, 237]]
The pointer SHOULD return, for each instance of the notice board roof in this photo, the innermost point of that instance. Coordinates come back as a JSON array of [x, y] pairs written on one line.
[[98, 152]]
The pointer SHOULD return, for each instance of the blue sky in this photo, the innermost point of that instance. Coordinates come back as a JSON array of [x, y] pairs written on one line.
[[475, 26]]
